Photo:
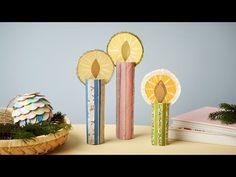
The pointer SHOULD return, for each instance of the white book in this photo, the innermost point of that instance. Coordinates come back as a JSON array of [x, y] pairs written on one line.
[[205, 128], [199, 120], [200, 136]]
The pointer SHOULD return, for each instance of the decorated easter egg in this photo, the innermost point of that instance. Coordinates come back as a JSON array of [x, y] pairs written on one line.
[[31, 108]]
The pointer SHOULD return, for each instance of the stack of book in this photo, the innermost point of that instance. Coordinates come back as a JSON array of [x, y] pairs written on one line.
[[197, 127]]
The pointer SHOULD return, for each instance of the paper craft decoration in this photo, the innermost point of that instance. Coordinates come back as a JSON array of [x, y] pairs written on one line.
[[126, 51], [95, 69], [160, 88], [31, 108]]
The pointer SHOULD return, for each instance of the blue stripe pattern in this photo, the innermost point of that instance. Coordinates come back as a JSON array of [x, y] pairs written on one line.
[[86, 88], [96, 110]]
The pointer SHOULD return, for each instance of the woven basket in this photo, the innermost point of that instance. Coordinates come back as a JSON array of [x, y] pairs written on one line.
[[39, 145], [5, 116]]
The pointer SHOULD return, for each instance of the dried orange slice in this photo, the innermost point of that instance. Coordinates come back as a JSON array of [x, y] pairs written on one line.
[[95, 64], [150, 81], [125, 46]]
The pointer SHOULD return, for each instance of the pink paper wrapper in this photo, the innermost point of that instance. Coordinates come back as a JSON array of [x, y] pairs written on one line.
[[124, 99]]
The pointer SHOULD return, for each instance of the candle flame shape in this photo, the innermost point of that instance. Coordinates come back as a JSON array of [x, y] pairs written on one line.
[[125, 50], [160, 91], [95, 69]]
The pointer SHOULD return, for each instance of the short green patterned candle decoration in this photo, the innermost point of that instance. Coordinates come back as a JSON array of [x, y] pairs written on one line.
[[160, 115], [160, 88]]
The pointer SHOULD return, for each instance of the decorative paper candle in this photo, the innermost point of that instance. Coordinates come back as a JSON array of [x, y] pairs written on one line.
[[124, 99], [95, 69], [95, 92], [126, 51], [160, 121], [160, 88]]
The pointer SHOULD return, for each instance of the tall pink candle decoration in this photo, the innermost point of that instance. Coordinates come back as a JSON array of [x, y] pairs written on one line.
[[126, 51]]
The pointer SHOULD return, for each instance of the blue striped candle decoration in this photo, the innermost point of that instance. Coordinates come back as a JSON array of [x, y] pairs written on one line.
[[95, 97]]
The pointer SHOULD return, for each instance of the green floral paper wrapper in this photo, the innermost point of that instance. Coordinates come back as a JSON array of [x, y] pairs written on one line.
[[160, 123]]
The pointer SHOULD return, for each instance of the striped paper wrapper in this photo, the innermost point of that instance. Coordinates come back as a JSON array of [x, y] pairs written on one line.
[[125, 99], [160, 123], [95, 98]]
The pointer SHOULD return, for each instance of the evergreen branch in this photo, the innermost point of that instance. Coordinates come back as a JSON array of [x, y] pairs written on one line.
[[227, 115], [228, 107], [58, 117], [216, 115], [30, 131]]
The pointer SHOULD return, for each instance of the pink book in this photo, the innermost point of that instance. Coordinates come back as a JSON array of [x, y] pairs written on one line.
[[198, 120]]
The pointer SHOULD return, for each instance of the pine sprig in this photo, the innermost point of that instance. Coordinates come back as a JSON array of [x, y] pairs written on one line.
[[228, 107], [30, 131], [227, 115], [58, 117]]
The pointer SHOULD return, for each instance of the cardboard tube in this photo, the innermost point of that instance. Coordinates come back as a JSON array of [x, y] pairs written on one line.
[[95, 99], [160, 123], [125, 99]]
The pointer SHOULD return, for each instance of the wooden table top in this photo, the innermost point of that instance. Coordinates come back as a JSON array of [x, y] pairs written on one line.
[[140, 144]]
